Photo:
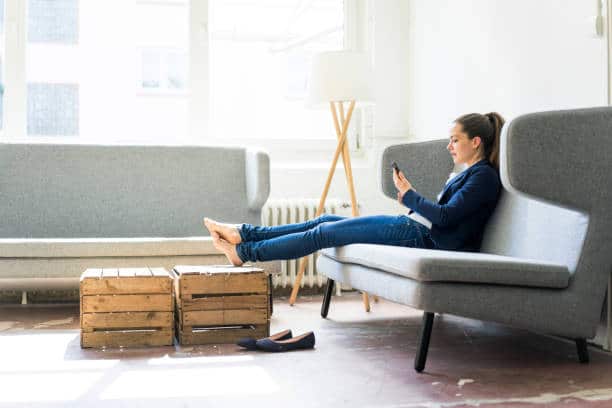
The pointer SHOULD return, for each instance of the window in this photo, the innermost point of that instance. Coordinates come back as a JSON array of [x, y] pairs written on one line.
[[163, 69], [163, 38], [160, 105], [51, 55], [148, 71], [260, 54], [2, 63], [53, 109], [53, 21]]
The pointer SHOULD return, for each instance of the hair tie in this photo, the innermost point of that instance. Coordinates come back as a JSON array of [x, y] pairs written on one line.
[[491, 118]]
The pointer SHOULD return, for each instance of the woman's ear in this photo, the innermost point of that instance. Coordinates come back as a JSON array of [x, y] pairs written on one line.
[[476, 142]]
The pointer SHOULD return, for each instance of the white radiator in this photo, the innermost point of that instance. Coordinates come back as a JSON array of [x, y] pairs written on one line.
[[289, 211]]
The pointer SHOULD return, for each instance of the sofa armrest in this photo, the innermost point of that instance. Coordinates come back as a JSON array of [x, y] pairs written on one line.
[[426, 164], [257, 167]]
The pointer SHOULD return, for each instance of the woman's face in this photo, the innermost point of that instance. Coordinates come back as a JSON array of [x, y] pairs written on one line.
[[463, 149]]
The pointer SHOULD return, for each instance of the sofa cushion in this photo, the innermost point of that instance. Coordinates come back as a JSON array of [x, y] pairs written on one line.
[[105, 247], [427, 265]]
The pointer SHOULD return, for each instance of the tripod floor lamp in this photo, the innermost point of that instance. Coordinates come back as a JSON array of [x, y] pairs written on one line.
[[338, 78]]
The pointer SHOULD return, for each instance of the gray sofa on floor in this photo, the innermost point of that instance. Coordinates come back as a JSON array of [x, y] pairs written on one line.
[[67, 207], [547, 251]]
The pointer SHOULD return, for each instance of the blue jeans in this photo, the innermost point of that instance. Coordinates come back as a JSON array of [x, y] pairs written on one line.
[[296, 240]]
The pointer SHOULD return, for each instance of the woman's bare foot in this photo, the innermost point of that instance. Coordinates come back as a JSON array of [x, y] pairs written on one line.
[[229, 250], [228, 232]]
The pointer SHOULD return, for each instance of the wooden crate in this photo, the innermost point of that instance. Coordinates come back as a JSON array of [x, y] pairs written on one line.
[[126, 307], [221, 304]]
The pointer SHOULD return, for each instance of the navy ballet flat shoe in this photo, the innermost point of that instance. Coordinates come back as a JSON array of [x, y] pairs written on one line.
[[250, 343], [304, 341]]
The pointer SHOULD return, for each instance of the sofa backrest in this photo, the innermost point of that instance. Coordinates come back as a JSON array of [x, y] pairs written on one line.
[[561, 160], [426, 164], [525, 228], [69, 191]]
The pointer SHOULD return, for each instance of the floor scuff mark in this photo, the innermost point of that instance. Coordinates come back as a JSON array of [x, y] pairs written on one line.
[[464, 381], [52, 323], [6, 325], [599, 394]]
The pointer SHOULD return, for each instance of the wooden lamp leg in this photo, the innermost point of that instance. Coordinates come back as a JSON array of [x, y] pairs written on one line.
[[348, 169], [339, 149]]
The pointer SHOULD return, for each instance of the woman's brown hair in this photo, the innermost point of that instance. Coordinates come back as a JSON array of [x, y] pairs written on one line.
[[488, 127]]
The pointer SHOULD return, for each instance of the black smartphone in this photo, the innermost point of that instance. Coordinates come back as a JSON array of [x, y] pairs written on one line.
[[395, 167]]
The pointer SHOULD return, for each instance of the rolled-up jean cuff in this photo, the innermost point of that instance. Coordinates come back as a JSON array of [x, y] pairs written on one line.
[[242, 233], [241, 253]]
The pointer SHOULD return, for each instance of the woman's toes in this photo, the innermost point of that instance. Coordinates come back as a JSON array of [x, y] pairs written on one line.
[[208, 224], [228, 232], [215, 237]]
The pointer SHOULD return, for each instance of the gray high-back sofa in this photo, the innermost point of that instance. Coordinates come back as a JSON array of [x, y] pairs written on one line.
[[67, 207], [547, 252]]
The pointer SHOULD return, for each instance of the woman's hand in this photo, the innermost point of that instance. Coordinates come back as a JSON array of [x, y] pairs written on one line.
[[401, 183]]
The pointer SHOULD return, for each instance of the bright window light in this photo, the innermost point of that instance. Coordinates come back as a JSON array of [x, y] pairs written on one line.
[[193, 382], [117, 71], [260, 53], [47, 387]]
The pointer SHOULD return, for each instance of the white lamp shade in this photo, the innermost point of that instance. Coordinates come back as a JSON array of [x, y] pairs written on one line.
[[340, 76]]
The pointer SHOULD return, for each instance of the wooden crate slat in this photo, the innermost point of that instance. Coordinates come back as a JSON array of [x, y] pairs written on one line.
[[223, 284], [159, 272], [127, 303], [225, 302], [126, 273], [214, 269], [176, 283], [187, 270], [116, 320], [143, 272], [224, 317], [92, 273], [110, 273], [127, 339], [133, 285], [229, 269], [225, 336]]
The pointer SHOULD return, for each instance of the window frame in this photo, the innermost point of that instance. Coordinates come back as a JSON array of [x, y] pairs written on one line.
[[356, 37]]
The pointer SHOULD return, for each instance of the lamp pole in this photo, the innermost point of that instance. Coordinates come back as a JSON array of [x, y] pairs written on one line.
[[342, 148]]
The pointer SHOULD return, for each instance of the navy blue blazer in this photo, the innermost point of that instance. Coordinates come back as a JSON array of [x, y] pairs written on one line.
[[459, 218]]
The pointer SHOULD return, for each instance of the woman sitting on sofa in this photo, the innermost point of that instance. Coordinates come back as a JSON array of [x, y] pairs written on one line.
[[455, 222]]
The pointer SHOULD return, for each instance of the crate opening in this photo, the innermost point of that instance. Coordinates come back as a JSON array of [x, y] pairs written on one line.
[[203, 329], [218, 295], [130, 330]]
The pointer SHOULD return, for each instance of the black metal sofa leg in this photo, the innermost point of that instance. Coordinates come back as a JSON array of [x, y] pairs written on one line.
[[421, 357], [583, 351], [327, 298], [271, 297]]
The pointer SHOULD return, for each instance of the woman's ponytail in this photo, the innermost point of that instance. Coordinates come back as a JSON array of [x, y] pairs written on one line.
[[497, 121]]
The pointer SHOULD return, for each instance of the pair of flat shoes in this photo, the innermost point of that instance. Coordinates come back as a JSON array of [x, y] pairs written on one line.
[[281, 341]]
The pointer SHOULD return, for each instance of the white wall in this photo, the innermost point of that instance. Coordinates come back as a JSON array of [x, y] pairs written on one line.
[[437, 59], [510, 56]]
